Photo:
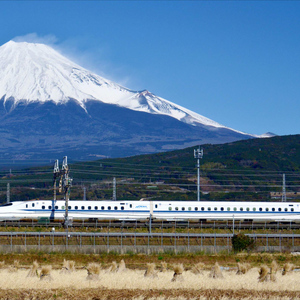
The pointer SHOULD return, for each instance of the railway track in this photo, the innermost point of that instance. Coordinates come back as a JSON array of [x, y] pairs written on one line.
[[227, 225]]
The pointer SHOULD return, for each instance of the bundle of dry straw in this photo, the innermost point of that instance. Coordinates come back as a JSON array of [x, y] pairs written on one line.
[[113, 268], [216, 272], [122, 266], [68, 267], [150, 272], [178, 270], [288, 268], [267, 274], [93, 270], [243, 268], [15, 267], [46, 273], [198, 268], [163, 267], [33, 272]]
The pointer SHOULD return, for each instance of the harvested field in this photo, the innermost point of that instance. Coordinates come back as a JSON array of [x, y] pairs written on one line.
[[132, 284]]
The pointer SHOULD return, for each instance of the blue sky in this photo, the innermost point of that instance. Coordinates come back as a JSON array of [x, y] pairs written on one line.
[[235, 62]]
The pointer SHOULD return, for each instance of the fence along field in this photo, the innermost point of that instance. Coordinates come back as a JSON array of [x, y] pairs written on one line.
[[151, 281], [139, 242]]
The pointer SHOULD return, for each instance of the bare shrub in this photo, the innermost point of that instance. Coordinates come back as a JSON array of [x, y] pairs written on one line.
[[150, 272], [33, 272], [287, 268], [46, 273], [178, 270], [243, 268], [264, 274], [2, 264], [93, 270], [216, 272], [198, 268]]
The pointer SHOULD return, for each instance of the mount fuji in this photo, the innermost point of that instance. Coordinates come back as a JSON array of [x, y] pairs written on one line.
[[50, 106]]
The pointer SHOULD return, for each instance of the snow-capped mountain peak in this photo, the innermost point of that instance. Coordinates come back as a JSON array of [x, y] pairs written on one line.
[[32, 72]]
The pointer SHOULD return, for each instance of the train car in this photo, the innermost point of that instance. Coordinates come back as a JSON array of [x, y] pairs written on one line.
[[161, 210]]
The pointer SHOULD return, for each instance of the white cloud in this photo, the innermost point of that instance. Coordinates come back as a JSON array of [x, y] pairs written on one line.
[[94, 58], [48, 39]]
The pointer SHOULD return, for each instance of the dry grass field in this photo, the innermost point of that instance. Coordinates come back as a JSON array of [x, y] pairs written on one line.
[[116, 281]]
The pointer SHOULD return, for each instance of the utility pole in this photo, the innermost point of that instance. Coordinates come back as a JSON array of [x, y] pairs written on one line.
[[283, 199], [198, 154], [65, 183], [56, 174]]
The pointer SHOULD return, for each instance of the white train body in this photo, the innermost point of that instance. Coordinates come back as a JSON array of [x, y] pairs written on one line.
[[162, 210]]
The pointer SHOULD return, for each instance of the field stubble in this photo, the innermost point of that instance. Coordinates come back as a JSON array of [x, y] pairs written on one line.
[[132, 284]]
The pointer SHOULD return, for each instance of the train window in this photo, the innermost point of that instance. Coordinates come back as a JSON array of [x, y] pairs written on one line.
[[155, 205], [109, 208], [49, 207], [56, 207], [279, 209], [182, 208], [228, 208], [190, 208], [26, 205], [89, 207], [260, 209], [69, 207], [62, 207], [267, 209], [196, 208], [43, 207], [241, 209], [234, 208], [122, 207], [130, 205], [222, 208], [248, 209], [116, 207], [292, 209], [273, 209], [176, 208], [96, 207], [170, 208], [254, 209], [32, 204], [82, 207], [285, 209], [76, 207], [209, 208], [102, 207], [202, 208]]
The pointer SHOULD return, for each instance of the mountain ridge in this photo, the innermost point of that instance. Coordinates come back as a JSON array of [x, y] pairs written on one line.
[[50, 106], [43, 75]]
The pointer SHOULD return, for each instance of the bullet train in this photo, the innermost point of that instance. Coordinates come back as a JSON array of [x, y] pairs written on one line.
[[161, 210]]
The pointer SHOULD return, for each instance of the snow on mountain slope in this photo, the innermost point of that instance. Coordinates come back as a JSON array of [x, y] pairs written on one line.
[[31, 72]]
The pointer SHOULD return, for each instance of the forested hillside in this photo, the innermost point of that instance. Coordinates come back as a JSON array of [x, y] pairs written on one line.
[[245, 170]]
